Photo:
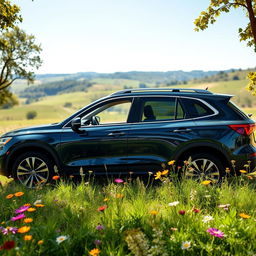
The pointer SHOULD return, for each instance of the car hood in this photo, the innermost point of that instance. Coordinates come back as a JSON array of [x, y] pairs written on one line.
[[33, 129]]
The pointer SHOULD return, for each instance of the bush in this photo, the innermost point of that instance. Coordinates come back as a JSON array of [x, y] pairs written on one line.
[[31, 114], [67, 105]]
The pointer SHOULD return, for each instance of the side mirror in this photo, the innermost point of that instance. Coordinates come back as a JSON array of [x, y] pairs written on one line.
[[76, 124]]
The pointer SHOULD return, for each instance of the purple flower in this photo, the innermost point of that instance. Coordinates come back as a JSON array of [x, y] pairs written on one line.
[[119, 181], [21, 209], [18, 217], [8, 230], [100, 227], [97, 242], [215, 232]]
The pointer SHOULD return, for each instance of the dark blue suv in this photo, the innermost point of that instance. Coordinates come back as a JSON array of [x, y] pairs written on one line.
[[135, 131]]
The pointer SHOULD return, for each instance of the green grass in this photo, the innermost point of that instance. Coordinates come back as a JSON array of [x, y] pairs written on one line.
[[138, 219]]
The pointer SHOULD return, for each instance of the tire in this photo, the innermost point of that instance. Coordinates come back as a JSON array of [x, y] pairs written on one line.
[[32, 169], [204, 166]]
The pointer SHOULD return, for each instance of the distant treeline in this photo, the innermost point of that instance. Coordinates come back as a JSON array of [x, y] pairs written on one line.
[[34, 93]]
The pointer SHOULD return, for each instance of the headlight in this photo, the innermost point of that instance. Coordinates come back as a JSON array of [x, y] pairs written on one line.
[[4, 141]]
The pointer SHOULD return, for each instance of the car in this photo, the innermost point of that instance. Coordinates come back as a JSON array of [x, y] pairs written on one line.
[[136, 130]]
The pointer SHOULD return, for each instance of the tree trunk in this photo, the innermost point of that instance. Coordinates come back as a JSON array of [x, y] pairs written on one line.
[[252, 19]]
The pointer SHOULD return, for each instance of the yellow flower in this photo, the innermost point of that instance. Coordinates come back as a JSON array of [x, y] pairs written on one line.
[[27, 237], [243, 171], [9, 196], [28, 220], [27, 205], [94, 252], [105, 199], [24, 229], [19, 194], [206, 182], [39, 205], [154, 213], [244, 216], [119, 195], [158, 175], [31, 209], [40, 242], [165, 172], [172, 162]]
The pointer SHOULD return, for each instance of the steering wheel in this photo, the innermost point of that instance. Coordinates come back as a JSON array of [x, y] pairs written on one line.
[[95, 120]]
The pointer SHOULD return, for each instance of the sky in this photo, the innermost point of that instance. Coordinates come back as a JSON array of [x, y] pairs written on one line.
[[126, 35]]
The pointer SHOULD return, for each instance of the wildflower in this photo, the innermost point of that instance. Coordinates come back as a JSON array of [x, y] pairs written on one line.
[[118, 181], [23, 229], [154, 213], [28, 220], [9, 196], [119, 195], [196, 210], [173, 229], [165, 172], [242, 171], [27, 238], [100, 227], [18, 217], [97, 242], [223, 205], [71, 176], [105, 199], [55, 177], [158, 175], [215, 232], [27, 205], [94, 252], [102, 208], [227, 170], [8, 230], [244, 216], [61, 239], [206, 182], [250, 177], [150, 173], [182, 212], [175, 203], [171, 162], [21, 209], [39, 201], [31, 209], [185, 245], [246, 165], [8, 245], [39, 205], [18, 194], [207, 218], [40, 242]]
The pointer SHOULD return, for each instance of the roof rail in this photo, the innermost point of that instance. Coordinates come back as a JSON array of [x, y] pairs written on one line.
[[188, 90]]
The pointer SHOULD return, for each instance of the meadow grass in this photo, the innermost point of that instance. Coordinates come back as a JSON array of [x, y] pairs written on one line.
[[132, 218]]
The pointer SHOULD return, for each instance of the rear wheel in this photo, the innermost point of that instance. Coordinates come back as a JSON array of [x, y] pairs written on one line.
[[205, 167], [32, 169]]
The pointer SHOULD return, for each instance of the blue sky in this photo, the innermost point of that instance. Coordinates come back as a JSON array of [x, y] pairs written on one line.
[[125, 35]]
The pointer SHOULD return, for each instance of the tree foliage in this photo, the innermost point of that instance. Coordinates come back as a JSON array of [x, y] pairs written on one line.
[[248, 33], [19, 57]]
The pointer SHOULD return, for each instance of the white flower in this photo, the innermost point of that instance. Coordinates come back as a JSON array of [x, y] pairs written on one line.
[[185, 245], [37, 202], [60, 239], [207, 218], [174, 203]]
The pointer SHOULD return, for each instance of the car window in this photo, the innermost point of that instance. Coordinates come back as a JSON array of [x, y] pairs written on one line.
[[111, 112], [159, 109]]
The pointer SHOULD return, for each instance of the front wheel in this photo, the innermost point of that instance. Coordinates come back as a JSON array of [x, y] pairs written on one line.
[[204, 167], [32, 169]]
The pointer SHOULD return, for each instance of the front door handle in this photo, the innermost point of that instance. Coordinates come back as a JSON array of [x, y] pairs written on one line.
[[182, 130], [116, 134]]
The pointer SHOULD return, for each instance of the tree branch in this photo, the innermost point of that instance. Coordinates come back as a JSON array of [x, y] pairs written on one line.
[[9, 83]]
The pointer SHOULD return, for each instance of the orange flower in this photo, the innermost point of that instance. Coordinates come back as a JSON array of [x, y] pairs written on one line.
[[244, 216], [28, 220], [102, 208], [40, 242], [39, 205], [9, 196], [19, 194], [27, 237], [165, 172], [31, 209], [94, 252], [154, 213], [56, 177], [206, 182], [119, 195], [27, 205], [23, 229]]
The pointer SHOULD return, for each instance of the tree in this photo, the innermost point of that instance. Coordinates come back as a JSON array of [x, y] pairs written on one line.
[[9, 14], [19, 57], [247, 34]]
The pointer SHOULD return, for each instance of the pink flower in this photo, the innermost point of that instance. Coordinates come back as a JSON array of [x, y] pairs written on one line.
[[100, 227], [18, 217], [182, 212], [215, 232], [119, 181], [8, 230], [21, 209]]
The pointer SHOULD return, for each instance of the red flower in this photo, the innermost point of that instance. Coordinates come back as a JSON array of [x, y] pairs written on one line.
[[8, 245], [196, 210], [182, 212], [102, 208]]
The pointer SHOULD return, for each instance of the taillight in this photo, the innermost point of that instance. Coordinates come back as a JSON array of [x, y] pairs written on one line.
[[243, 129]]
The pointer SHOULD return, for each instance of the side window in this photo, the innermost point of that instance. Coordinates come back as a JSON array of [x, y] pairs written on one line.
[[111, 112], [160, 109], [196, 108]]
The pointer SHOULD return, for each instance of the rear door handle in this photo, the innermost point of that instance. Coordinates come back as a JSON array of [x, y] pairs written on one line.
[[182, 130], [116, 134]]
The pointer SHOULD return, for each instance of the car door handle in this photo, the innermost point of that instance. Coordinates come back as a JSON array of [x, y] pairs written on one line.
[[116, 134], [182, 130]]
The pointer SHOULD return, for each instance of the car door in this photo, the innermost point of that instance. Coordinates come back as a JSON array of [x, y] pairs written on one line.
[[162, 127], [100, 147]]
